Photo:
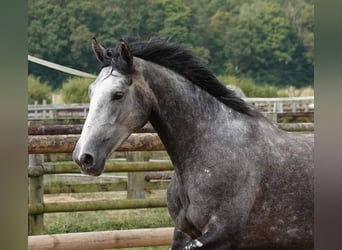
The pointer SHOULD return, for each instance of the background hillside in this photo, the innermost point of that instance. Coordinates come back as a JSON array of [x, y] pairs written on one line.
[[265, 41]]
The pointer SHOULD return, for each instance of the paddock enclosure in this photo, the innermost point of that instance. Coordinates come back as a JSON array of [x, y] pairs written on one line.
[[53, 130]]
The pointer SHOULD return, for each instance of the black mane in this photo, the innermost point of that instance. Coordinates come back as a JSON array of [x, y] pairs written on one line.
[[182, 61]]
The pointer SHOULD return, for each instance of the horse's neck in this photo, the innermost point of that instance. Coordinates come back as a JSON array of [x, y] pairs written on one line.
[[184, 115], [198, 130]]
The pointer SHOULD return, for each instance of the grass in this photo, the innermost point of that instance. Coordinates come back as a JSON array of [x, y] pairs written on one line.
[[55, 223], [106, 220]]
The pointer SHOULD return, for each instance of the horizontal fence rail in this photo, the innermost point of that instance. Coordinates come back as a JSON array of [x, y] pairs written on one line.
[[278, 105], [61, 111], [300, 126], [52, 188], [46, 144], [69, 129], [110, 167], [283, 104], [76, 129], [81, 206], [55, 129], [103, 239]]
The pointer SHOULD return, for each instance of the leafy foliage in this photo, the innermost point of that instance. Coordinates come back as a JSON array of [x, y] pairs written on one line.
[[38, 91], [75, 90], [267, 40], [249, 88]]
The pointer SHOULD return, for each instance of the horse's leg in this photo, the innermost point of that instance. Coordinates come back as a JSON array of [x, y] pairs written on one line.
[[223, 229], [177, 213], [214, 239], [180, 240]]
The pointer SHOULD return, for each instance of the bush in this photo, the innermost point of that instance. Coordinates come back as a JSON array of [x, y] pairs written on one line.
[[37, 90], [75, 90], [249, 88]]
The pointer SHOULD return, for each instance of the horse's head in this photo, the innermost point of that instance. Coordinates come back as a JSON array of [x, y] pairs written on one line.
[[120, 103]]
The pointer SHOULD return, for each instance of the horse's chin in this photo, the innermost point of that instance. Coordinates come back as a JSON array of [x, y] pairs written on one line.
[[92, 172]]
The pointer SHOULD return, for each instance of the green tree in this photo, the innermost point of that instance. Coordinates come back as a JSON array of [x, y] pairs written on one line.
[[301, 16], [268, 41], [176, 21], [249, 88], [48, 32], [84, 20], [260, 42], [75, 90], [61, 32], [38, 91]]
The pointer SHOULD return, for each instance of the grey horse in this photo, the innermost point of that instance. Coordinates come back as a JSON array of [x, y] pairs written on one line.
[[239, 182]]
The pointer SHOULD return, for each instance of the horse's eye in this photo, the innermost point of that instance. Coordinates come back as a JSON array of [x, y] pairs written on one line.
[[117, 95]]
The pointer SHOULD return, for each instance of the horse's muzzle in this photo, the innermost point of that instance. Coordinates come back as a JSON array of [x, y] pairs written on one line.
[[88, 164]]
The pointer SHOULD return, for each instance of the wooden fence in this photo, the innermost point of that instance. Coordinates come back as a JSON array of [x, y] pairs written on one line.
[[62, 143], [39, 143], [47, 144], [265, 105], [102, 239]]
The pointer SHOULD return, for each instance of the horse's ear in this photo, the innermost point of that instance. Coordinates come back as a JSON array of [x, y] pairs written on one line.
[[98, 49], [125, 53]]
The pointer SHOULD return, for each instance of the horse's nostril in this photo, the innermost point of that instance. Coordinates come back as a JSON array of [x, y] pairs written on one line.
[[87, 160]]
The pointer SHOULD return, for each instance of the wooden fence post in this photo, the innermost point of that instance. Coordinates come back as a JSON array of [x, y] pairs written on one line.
[[135, 181], [44, 113], [36, 192], [272, 117], [54, 114], [85, 113], [278, 107], [306, 106], [36, 112], [294, 107]]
